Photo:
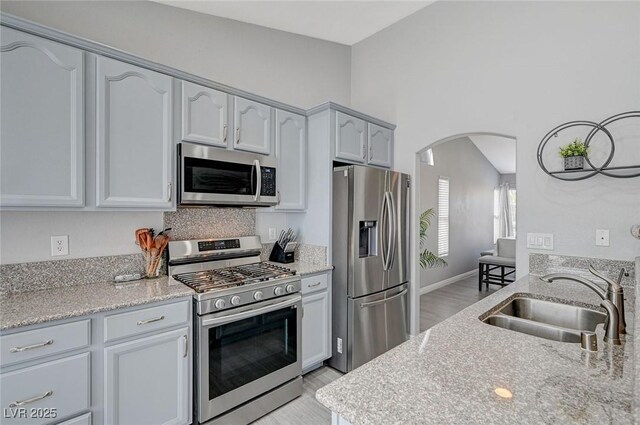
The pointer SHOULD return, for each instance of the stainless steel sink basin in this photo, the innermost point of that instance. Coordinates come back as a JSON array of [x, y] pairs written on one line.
[[546, 319]]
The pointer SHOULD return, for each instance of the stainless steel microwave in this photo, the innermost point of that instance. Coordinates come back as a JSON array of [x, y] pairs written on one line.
[[213, 176]]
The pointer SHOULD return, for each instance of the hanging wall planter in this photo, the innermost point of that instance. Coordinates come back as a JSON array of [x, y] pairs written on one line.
[[572, 163]]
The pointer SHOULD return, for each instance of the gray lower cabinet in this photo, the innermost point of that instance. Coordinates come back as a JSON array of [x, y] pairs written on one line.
[[147, 380], [41, 122], [316, 321], [291, 151], [133, 136]]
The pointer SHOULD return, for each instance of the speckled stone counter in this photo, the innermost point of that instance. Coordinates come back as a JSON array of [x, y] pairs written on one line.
[[449, 374], [304, 269], [29, 308]]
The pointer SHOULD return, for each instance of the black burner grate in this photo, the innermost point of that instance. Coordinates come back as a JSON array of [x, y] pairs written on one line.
[[208, 280]]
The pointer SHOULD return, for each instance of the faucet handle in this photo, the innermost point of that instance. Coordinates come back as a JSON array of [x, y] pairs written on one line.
[[623, 273], [612, 286]]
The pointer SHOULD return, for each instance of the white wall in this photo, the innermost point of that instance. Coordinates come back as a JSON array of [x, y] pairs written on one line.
[[472, 180], [296, 70], [516, 68]]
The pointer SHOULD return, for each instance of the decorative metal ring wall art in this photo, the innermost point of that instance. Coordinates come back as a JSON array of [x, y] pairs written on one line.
[[604, 169]]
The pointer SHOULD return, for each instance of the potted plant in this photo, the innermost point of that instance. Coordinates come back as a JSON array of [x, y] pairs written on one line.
[[428, 258], [574, 154]]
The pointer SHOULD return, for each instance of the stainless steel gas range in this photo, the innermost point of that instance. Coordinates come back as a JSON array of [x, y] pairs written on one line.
[[247, 326]]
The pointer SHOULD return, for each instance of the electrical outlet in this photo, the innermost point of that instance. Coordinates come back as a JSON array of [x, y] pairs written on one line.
[[272, 234], [602, 237], [59, 245], [540, 241]]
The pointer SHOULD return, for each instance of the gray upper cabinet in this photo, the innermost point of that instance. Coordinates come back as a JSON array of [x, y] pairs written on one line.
[[380, 141], [147, 380], [252, 126], [350, 138], [291, 151], [41, 122], [133, 141], [204, 115]]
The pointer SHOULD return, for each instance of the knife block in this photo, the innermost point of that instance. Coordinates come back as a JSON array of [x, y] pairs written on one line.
[[279, 255]]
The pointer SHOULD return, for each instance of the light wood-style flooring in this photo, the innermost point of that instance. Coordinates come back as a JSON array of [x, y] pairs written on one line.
[[435, 307], [305, 410], [438, 305]]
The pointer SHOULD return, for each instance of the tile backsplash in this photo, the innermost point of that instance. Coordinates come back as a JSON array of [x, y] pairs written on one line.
[[541, 264]]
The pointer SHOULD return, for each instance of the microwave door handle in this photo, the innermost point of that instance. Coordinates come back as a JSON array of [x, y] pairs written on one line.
[[256, 165], [217, 321]]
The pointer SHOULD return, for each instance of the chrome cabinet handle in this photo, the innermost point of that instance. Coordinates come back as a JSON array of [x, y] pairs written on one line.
[[372, 303], [30, 347], [278, 197], [224, 133], [370, 152], [169, 187], [315, 284], [30, 400], [237, 135], [364, 151], [144, 322], [186, 346]]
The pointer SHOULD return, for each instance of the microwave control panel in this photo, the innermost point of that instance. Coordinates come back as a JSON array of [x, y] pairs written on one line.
[[268, 181]]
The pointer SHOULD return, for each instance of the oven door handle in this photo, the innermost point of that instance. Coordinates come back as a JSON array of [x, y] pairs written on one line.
[[217, 321]]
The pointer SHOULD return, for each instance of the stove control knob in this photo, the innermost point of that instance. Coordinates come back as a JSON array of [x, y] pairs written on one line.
[[278, 291], [220, 304], [235, 300], [258, 295], [290, 288]]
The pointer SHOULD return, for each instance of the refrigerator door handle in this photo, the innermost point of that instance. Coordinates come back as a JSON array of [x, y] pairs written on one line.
[[393, 239], [373, 303], [388, 228], [383, 231]]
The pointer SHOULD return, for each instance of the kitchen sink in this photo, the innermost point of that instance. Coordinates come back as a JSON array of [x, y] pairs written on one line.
[[546, 319]]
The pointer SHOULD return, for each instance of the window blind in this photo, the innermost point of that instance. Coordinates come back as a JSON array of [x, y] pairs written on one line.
[[443, 216]]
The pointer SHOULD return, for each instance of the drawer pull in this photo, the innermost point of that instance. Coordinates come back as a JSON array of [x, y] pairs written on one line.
[[144, 322], [30, 400], [315, 284], [30, 347]]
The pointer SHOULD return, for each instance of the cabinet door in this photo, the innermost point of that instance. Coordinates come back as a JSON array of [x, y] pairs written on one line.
[[380, 145], [41, 122], [316, 342], [133, 122], [291, 150], [253, 126], [204, 115], [350, 141], [147, 380]]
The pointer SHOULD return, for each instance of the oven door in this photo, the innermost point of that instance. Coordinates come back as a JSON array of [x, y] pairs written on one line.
[[247, 352], [214, 176]]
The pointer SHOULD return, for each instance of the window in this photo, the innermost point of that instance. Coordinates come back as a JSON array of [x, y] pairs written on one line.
[[443, 216], [496, 212]]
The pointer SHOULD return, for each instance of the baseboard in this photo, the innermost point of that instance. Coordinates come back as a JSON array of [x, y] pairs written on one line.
[[438, 285]]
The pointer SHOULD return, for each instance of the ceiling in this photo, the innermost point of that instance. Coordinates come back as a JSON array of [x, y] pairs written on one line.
[[345, 22], [500, 151]]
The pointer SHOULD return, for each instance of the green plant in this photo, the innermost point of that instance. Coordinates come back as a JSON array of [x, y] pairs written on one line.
[[575, 148], [428, 258]]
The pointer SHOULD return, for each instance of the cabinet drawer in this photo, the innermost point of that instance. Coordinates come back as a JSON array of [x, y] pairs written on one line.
[[29, 345], [315, 283], [146, 320], [62, 385], [79, 420]]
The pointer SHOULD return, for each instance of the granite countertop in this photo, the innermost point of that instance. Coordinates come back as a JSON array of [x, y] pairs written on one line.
[[302, 268], [29, 308], [449, 373]]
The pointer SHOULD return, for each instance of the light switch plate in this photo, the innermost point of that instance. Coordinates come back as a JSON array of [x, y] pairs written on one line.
[[602, 237], [59, 245], [272, 234], [540, 241]]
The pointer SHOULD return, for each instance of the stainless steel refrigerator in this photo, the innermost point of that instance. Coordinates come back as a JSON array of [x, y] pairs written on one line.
[[370, 251]]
